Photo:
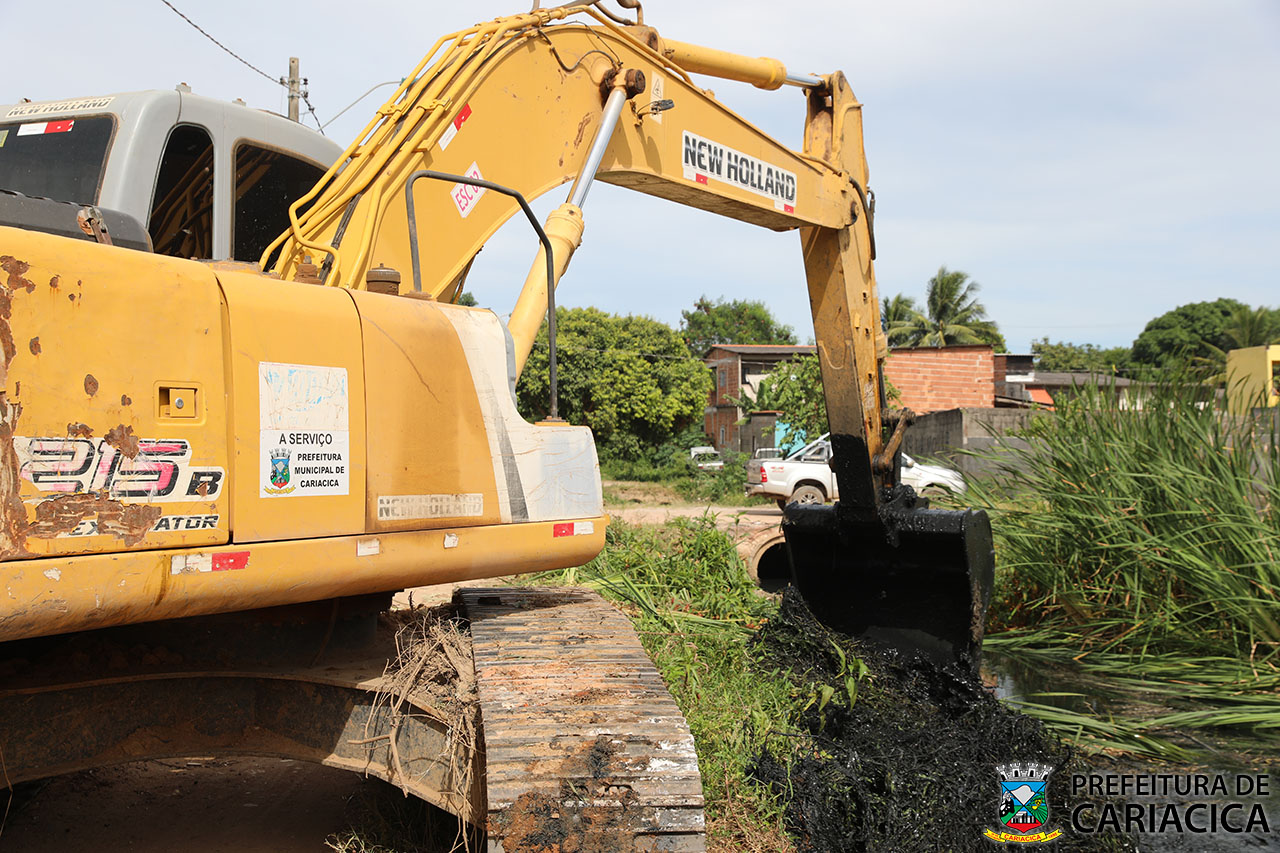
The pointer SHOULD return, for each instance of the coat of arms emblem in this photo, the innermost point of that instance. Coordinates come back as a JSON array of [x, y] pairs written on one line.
[[280, 467], [1024, 804]]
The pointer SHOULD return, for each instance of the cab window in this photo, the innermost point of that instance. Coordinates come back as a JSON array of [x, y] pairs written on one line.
[[266, 183], [62, 159], [182, 206]]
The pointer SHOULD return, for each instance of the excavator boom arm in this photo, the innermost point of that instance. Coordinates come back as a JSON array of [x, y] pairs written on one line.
[[532, 101], [518, 101]]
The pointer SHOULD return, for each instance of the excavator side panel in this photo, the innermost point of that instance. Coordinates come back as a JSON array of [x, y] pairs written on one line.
[[113, 418], [298, 409]]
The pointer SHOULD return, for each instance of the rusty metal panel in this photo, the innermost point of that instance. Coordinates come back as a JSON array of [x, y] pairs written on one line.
[[96, 454], [583, 742]]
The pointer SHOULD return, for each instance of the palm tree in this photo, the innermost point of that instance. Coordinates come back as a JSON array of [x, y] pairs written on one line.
[[953, 314], [1246, 327], [895, 316]]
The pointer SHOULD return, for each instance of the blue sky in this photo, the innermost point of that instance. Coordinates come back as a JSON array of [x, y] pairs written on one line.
[[1092, 164]]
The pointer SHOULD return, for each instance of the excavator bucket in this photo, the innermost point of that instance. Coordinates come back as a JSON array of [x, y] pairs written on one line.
[[900, 574]]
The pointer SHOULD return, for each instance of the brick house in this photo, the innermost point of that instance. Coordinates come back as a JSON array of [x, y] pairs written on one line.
[[929, 379], [736, 371], [932, 379]]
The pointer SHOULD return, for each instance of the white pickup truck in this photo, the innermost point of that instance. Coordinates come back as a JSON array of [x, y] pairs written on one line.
[[805, 477]]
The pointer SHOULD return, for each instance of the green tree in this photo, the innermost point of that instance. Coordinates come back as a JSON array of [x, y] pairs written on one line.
[[630, 379], [1189, 331], [466, 298], [1246, 327], [1065, 356], [740, 321], [795, 389], [952, 315], [896, 314]]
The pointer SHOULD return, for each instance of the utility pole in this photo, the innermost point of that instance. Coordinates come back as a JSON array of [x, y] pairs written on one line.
[[295, 87]]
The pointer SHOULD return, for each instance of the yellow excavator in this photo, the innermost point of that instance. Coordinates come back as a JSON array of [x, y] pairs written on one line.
[[203, 456]]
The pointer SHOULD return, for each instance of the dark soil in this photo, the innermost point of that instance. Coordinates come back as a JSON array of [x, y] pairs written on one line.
[[911, 766]]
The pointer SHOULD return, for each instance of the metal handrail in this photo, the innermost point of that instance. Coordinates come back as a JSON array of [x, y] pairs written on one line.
[[554, 413]]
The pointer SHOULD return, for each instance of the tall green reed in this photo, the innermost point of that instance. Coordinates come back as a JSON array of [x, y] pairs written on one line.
[[1143, 530], [1138, 538]]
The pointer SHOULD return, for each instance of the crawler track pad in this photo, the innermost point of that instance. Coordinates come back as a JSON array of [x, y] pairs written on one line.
[[584, 747]]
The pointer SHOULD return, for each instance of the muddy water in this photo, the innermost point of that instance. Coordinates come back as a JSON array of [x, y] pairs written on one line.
[[1014, 679]]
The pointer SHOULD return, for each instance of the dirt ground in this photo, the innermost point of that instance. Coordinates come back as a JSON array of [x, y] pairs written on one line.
[[246, 805]]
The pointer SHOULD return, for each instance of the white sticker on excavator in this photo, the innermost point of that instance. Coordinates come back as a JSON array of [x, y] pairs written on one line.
[[304, 436], [704, 160], [407, 507], [454, 126], [465, 196], [75, 106]]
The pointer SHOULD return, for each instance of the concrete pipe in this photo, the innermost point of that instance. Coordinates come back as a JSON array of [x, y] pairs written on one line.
[[765, 554]]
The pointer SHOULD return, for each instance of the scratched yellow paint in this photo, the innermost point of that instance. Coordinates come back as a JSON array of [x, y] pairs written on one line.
[[98, 333]]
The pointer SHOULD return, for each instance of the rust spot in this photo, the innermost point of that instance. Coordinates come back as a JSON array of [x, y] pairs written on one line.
[[128, 522], [71, 296], [13, 512], [79, 431], [7, 345], [203, 490], [590, 696], [34, 345], [17, 271], [126, 400], [53, 282], [550, 821], [582, 129], [90, 384], [121, 437]]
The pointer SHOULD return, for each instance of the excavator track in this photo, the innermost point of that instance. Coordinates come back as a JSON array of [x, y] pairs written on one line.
[[584, 747]]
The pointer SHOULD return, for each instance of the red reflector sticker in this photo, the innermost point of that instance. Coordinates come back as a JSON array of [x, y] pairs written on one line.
[[462, 117], [230, 561], [701, 179], [59, 126], [573, 528]]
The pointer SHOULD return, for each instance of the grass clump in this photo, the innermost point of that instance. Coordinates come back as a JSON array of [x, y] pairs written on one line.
[[1144, 545]]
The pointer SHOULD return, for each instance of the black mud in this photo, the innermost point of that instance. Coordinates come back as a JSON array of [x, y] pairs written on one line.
[[911, 765]]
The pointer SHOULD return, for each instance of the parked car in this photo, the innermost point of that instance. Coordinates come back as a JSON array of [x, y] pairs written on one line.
[[805, 477], [705, 458], [753, 464]]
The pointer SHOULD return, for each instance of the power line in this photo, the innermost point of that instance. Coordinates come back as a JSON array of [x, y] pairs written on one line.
[[307, 100], [221, 45], [247, 63]]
